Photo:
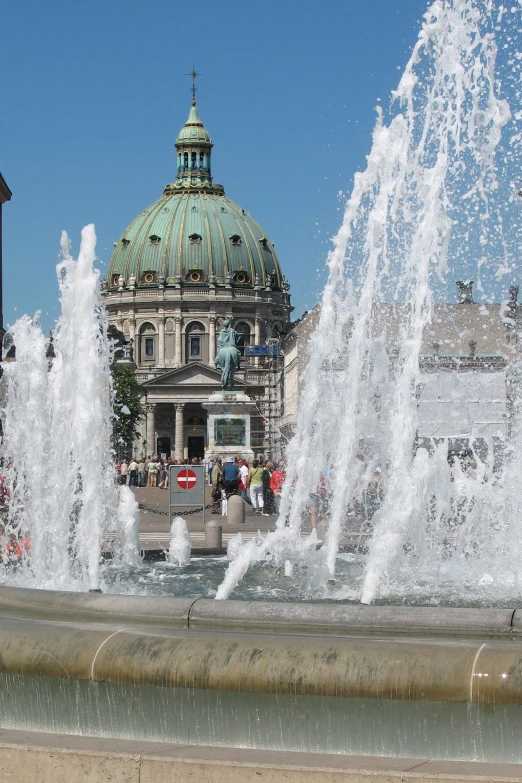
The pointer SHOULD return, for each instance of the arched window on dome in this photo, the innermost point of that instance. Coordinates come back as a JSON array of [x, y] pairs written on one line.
[[147, 344], [194, 157], [195, 343], [243, 329]]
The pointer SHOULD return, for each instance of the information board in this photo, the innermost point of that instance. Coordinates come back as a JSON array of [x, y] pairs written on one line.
[[261, 350], [230, 432]]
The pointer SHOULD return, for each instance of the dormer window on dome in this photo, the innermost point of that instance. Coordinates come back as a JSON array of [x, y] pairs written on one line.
[[148, 277], [240, 278], [125, 242], [264, 242], [195, 276], [154, 239], [195, 239], [114, 280], [235, 239]]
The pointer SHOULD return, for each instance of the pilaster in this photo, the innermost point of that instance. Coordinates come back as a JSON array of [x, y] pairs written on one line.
[[177, 340], [212, 340], [161, 339], [179, 431], [151, 435]]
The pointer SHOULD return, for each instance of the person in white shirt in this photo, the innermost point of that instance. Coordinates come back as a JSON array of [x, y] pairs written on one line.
[[133, 473], [151, 473]]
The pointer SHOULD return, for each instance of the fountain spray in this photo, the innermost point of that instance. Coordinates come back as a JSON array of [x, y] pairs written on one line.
[[432, 193], [57, 423]]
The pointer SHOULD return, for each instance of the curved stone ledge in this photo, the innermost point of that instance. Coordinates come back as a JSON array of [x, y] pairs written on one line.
[[433, 670], [353, 618], [59, 605], [324, 619]]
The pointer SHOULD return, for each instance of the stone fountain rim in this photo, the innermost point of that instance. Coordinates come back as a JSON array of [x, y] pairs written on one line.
[[377, 652], [256, 616]]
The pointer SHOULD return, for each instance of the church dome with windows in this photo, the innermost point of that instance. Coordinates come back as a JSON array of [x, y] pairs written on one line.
[[193, 234], [185, 265]]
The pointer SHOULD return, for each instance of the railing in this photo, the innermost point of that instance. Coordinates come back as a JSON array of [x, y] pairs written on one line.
[[188, 292], [256, 378]]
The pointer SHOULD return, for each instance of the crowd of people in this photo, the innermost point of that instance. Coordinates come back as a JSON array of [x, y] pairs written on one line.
[[13, 544], [150, 472], [259, 485]]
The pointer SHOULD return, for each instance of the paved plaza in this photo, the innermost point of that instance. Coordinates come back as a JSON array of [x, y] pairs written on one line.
[[155, 530], [154, 520]]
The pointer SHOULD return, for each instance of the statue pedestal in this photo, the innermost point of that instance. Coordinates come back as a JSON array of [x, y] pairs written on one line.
[[229, 425]]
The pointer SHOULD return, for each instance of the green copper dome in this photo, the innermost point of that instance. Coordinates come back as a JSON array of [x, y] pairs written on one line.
[[195, 237], [194, 234]]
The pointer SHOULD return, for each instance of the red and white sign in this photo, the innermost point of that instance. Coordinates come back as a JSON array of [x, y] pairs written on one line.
[[186, 479]]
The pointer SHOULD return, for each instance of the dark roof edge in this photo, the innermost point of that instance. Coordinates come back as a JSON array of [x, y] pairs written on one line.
[[5, 193]]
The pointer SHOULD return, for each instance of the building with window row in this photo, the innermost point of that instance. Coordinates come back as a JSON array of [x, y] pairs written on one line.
[[470, 386], [183, 265]]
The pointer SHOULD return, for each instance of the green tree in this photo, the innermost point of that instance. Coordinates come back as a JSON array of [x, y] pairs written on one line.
[[128, 410]]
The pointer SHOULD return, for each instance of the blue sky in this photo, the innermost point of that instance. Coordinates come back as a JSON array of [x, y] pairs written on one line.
[[94, 94]]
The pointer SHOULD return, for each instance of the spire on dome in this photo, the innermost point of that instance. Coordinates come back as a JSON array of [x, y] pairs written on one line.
[[194, 74]]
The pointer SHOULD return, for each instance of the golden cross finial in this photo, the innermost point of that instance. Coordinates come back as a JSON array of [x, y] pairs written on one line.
[[193, 74]]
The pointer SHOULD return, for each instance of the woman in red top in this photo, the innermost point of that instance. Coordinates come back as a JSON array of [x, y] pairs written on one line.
[[276, 482]]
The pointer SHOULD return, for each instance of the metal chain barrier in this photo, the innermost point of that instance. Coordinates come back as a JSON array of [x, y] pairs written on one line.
[[143, 507]]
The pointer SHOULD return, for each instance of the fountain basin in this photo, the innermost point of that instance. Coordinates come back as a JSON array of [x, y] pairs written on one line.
[[372, 680]]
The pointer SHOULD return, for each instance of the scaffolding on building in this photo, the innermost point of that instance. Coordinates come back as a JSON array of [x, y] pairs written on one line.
[[264, 377]]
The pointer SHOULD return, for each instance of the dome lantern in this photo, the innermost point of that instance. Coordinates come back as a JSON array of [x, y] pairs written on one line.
[[193, 154]]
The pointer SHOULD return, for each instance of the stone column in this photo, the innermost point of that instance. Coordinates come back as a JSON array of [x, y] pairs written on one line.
[[179, 431], [132, 327], [177, 341], [132, 337], [161, 341], [212, 340], [151, 436], [257, 339]]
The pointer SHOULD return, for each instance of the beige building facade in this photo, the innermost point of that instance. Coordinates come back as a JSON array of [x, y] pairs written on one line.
[[469, 364]]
